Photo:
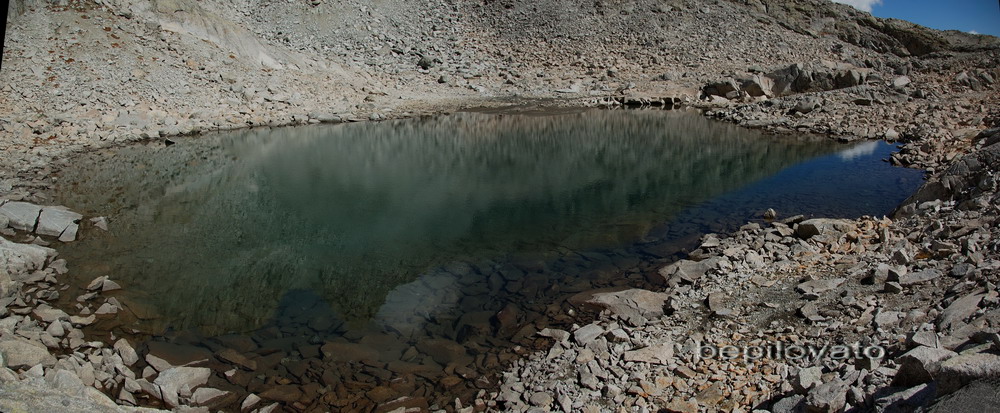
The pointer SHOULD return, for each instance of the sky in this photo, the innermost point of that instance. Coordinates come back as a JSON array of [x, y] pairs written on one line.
[[979, 16]]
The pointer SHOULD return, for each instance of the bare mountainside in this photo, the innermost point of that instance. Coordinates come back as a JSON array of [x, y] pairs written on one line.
[[80, 75]]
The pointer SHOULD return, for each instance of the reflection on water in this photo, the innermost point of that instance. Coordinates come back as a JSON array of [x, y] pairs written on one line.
[[212, 232], [858, 151]]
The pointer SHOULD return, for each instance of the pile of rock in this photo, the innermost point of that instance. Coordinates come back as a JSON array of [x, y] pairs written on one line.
[[45, 357], [797, 78]]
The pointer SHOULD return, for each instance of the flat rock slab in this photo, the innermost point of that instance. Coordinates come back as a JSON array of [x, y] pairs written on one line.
[[662, 353], [920, 276], [689, 270], [587, 334], [171, 381], [206, 395], [961, 370], [630, 303], [718, 303], [824, 226], [54, 220], [978, 396], [959, 310], [820, 286], [22, 215], [24, 354]]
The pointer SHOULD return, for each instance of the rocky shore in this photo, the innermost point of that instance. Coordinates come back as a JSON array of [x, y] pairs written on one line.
[[918, 288]]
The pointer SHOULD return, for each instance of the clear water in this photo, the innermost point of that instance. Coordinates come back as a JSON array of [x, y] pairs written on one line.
[[212, 233], [400, 236]]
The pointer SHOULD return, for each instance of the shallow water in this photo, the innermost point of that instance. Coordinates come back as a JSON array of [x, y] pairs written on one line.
[[395, 232]]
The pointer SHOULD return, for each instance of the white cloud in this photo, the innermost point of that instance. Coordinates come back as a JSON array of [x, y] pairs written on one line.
[[865, 5], [973, 32]]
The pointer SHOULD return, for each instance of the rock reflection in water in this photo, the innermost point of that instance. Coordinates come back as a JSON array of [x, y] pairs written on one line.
[[364, 263], [211, 232]]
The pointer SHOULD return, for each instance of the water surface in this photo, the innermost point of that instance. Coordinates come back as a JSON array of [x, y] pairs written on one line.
[[442, 244], [213, 233]]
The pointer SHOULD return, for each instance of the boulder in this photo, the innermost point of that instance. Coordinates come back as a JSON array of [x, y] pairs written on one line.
[[956, 372], [689, 270], [173, 380], [816, 77], [978, 396], [54, 220], [959, 310], [234, 357], [718, 303], [920, 276], [206, 395], [630, 303], [758, 85], [824, 226], [828, 397], [403, 404], [249, 402], [808, 378], [918, 366], [555, 334], [49, 314], [587, 334], [894, 399], [660, 353], [724, 87], [901, 82], [287, 393], [791, 404], [19, 259], [58, 394], [807, 105], [126, 352], [23, 354], [179, 354]]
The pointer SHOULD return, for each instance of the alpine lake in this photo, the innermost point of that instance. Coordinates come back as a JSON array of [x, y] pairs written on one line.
[[420, 255]]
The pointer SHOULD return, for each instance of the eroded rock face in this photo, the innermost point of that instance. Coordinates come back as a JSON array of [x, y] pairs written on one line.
[[961, 181], [790, 80]]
